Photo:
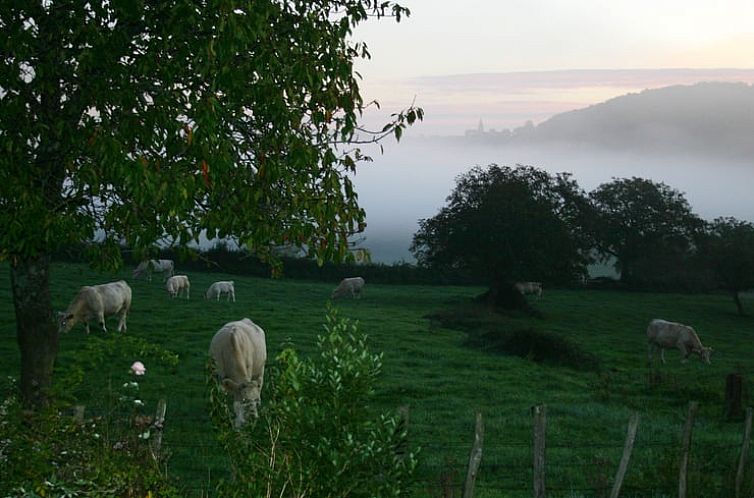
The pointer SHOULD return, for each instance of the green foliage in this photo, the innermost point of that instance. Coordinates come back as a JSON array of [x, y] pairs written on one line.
[[727, 247], [508, 224], [97, 351], [230, 114], [108, 457], [317, 434], [644, 225]]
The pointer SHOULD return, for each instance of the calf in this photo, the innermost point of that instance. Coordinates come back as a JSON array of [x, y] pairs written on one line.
[[348, 287], [217, 289], [177, 284]]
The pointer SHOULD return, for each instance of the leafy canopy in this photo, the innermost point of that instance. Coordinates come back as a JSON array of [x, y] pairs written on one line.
[[145, 120], [504, 223], [727, 248], [638, 218]]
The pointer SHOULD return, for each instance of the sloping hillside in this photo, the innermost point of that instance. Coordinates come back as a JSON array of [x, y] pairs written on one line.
[[715, 119]]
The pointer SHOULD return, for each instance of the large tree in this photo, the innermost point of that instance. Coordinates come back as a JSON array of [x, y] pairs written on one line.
[[727, 248], [637, 219], [503, 225], [140, 121]]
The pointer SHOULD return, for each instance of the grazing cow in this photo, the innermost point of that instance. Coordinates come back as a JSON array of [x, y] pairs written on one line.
[[176, 284], [529, 288], [146, 268], [239, 352], [94, 303], [664, 335], [348, 287], [219, 288]]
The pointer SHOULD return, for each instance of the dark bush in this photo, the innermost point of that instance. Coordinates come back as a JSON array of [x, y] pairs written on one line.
[[535, 345]]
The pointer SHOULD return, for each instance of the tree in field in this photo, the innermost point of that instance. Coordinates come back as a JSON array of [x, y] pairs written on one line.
[[139, 121], [507, 224], [727, 248], [637, 219]]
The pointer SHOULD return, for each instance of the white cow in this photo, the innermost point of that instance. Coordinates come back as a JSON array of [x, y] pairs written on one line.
[[348, 287], [94, 303], [239, 352], [663, 335], [529, 288], [217, 289], [146, 268], [176, 284]]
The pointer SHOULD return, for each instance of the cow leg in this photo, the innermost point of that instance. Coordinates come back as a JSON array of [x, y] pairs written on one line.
[[650, 350], [662, 355], [101, 319], [684, 353], [122, 323], [233, 295], [87, 328]]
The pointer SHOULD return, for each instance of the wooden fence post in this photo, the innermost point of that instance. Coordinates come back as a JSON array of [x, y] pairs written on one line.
[[539, 413], [475, 457], [686, 448], [158, 425], [744, 452], [734, 396], [633, 425]]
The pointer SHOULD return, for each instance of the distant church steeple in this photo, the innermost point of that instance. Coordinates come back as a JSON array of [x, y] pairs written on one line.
[[480, 128]]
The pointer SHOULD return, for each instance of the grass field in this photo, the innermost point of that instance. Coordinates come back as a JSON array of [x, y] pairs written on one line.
[[444, 381]]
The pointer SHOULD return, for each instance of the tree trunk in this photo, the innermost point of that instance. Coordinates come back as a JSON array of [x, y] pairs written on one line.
[[36, 330], [737, 300]]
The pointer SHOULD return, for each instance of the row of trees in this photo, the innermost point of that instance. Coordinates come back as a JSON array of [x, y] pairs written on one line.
[[509, 224]]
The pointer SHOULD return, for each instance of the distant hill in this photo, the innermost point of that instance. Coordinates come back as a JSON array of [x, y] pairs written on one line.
[[715, 119]]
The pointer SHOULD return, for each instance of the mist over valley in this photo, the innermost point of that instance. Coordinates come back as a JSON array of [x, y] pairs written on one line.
[[695, 139]]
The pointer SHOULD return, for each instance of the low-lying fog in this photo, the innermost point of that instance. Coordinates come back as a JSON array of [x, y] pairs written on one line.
[[412, 179]]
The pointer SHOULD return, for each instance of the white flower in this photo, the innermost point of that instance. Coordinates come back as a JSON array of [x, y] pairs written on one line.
[[138, 402], [138, 368]]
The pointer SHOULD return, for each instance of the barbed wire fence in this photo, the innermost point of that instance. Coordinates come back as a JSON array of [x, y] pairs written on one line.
[[539, 467]]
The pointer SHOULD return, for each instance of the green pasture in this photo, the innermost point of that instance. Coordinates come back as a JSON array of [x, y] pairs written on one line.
[[442, 380]]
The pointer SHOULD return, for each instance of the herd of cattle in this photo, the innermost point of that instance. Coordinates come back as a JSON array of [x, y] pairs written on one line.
[[239, 348]]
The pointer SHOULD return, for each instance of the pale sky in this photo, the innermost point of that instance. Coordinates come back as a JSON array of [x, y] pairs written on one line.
[[475, 42]]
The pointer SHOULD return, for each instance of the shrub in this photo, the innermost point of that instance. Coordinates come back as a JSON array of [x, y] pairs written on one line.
[[535, 345], [494, 332], [316, 435], [49, 453]]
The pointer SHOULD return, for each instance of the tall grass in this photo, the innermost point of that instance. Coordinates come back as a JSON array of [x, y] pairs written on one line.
[[432, 369]]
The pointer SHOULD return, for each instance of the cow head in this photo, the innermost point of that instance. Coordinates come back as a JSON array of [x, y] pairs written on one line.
[[247, 397], [65, 321], [705, 354]]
